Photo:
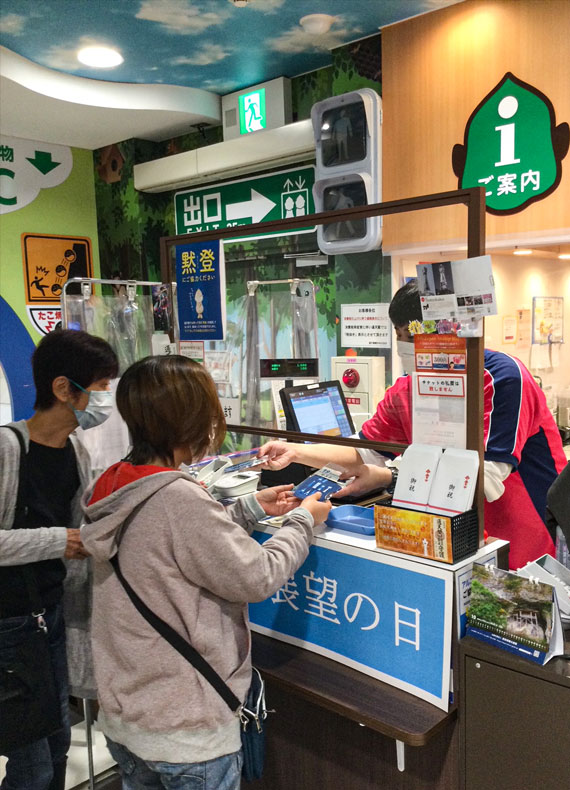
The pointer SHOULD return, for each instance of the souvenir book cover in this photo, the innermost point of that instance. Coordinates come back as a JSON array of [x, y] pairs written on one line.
[[515, 613], [413, 532]]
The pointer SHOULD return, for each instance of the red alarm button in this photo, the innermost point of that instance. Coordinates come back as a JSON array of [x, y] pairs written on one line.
[[350, 378]]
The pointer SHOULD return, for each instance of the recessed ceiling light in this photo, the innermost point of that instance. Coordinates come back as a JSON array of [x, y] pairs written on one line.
[[317, 24], [521, 251], [564, 256], [100, 57]]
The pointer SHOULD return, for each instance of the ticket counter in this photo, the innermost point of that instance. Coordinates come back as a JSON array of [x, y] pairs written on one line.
[[368, 723], [386, 614]]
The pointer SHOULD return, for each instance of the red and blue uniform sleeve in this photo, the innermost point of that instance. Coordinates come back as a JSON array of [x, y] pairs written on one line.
[[506, 416], [392, 421], [519, 429]]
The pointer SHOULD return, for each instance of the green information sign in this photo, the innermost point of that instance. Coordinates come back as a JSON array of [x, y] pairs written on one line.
[[512, 147], [287, 193]]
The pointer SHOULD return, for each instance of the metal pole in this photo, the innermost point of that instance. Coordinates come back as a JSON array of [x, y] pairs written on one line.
[[88, 732]]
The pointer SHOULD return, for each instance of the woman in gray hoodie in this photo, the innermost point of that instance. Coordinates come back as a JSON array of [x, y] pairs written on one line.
[[193, 562]]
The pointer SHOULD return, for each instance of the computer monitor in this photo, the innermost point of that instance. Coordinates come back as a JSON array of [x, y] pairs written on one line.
[[317, 408]]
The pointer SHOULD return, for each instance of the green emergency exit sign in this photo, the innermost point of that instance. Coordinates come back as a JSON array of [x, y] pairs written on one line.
[[252, 114]]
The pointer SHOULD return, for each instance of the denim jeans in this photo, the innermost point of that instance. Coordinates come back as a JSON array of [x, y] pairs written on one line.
[[222, 773], [41, 765]]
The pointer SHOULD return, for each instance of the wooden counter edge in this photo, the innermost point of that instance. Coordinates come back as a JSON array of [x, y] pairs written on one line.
[[335, 687]]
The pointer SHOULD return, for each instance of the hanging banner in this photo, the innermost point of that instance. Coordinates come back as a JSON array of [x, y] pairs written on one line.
[[463, 289], [439, 410], [440, 353], [200, 279]]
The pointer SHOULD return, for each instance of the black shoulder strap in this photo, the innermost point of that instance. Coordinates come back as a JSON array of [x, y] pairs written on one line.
[[19, 519], [177, 642]]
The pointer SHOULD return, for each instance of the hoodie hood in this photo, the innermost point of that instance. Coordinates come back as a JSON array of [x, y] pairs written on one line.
[[111, 500]]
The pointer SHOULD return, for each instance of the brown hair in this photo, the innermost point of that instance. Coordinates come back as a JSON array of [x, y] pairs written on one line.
[[169, 402]]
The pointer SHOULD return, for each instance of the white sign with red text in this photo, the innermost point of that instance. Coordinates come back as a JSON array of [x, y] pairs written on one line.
[[45, 318], [439, 413]]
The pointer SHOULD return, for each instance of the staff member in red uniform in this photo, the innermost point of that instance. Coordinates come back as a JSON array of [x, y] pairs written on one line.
[[523, 449]]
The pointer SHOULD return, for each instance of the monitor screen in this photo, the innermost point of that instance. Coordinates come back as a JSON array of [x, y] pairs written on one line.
[[317, 408]]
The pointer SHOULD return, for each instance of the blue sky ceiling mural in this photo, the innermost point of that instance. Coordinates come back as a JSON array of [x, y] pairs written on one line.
[[208, 44]]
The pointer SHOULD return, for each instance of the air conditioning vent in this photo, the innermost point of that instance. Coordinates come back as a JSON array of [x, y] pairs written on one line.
[[253, 153]]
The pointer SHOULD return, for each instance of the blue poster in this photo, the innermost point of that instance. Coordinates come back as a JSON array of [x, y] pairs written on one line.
[[390, 618], [200, 290]]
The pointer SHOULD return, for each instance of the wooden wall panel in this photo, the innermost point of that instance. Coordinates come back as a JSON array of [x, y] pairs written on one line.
[[436, 69]]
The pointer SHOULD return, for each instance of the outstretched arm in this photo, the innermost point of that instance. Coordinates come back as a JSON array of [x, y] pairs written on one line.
[[280, 454]]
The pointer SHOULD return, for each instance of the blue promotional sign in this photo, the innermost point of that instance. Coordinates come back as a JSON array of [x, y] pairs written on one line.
[[388, 617], [200, 291]]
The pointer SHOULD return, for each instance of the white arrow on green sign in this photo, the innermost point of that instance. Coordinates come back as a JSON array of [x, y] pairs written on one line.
[[247, 201], [257, 207]]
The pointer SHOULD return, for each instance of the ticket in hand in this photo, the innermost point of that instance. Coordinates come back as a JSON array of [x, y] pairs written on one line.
[[251, 462], [325, 481]]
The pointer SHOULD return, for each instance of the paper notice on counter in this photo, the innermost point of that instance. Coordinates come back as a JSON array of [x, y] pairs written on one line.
[[365, 325], [438, 416], [462, 289]]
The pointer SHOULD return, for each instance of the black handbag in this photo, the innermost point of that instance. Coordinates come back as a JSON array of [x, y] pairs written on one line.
[[29, 704], [252, 713]]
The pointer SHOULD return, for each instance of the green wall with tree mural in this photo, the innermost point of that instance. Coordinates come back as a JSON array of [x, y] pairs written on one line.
[[131, 223]]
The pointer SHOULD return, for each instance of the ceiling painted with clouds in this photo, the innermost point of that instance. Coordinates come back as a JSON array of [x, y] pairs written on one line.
[[207, 44]]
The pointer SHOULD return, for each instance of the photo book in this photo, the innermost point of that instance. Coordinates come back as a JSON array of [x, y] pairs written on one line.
[[515, 613]]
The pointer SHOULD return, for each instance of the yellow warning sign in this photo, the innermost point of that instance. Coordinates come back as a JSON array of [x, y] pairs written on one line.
[[49, 261]]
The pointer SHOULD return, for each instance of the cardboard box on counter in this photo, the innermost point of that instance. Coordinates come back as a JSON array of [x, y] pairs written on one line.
[[443, 538]]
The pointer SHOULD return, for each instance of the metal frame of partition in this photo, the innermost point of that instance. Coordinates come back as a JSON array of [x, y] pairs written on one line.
[[474, 200]]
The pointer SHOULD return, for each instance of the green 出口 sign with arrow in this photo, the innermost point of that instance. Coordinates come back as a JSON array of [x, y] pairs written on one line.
[[267, 198]]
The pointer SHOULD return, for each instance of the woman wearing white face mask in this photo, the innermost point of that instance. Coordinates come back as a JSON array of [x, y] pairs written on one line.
[[99, 404], [72, 371]]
